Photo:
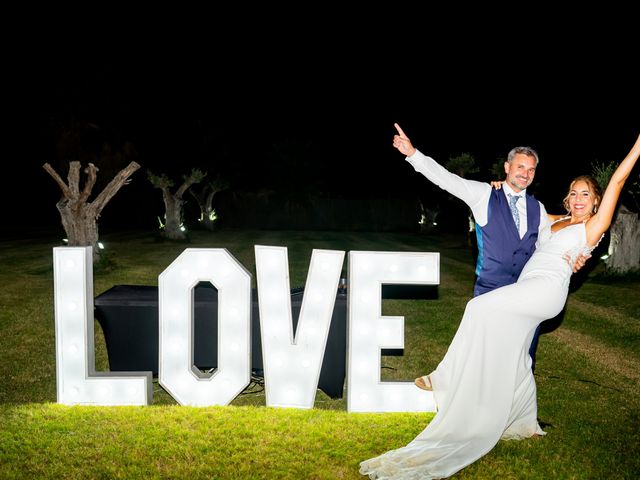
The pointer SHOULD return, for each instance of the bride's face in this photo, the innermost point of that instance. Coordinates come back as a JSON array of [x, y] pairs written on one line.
[[581, 200]]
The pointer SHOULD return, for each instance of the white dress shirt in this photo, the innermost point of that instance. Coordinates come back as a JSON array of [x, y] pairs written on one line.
[[475, 194], [521, 205]]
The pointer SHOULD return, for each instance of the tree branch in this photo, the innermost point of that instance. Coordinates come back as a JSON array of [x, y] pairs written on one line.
[[63, 186], [74, 179], [111, 189], [196, 176], [91, 171]]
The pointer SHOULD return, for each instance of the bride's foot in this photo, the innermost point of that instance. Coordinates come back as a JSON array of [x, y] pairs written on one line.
[[424, 383]]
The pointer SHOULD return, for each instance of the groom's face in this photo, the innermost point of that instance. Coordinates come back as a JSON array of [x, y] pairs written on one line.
[[520, 171]]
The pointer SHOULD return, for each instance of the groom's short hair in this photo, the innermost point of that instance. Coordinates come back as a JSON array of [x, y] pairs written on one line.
[[528, 151]]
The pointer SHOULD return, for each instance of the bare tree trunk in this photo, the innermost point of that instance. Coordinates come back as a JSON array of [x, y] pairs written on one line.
[[79, 218], [173, 212], [205, 202], [207, 217], [204, 197], [173, 202], [624, 244], [79, 224]]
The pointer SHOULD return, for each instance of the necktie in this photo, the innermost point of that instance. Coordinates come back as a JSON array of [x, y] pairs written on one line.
[[513, 199]]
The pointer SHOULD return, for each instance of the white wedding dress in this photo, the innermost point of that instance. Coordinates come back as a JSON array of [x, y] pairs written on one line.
[[484, 388]]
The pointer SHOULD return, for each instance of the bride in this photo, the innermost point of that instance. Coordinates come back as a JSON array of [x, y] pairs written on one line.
[[484, 388]]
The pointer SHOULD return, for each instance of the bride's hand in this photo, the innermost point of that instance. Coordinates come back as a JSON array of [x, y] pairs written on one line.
[[497, 185]]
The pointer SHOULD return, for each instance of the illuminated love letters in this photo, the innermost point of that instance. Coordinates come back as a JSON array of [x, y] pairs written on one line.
[[176, 371], [292, 365], [77, 382], [292, 362]]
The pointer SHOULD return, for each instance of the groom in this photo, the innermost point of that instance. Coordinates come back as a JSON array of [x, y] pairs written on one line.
[[508, 221]]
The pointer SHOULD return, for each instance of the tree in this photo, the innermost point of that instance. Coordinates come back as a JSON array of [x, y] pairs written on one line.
[[204, 197], [295, 157], [80, 217], [623, 254], [427, 218], [464, 165], [173, 202], [496, 170]]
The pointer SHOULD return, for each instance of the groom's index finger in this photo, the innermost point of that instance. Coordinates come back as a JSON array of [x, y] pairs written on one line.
[[399, 130]]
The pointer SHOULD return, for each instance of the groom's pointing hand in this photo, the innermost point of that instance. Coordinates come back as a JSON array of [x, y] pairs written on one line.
[[402, 142]]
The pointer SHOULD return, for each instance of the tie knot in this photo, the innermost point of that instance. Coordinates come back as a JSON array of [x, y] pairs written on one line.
[[513, 199]]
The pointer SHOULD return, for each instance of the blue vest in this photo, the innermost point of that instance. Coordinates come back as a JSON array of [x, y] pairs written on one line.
[[501, 252]]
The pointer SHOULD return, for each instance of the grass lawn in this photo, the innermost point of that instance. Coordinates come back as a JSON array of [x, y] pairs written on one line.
[[588, 377]]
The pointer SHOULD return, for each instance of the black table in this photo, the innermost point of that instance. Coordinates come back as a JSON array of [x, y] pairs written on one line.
[[128, 315]]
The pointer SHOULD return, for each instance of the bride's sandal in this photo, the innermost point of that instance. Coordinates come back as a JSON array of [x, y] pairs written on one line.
[[424, 383]]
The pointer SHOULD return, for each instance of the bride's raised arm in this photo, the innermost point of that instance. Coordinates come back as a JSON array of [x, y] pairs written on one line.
[[601, 220]]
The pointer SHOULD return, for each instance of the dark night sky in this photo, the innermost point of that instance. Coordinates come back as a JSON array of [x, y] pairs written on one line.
[[211, 101]]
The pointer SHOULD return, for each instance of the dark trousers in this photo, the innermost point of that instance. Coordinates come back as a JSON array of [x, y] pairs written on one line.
[[534, 347]]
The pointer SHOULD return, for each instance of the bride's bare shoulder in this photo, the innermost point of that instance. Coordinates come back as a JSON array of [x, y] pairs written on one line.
[[559, 222], [555, 218]]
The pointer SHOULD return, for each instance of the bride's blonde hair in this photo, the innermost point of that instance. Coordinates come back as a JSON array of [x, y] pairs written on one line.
[[594, 190]]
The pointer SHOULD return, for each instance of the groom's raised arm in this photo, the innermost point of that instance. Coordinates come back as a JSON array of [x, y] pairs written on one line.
[[474, 194]]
